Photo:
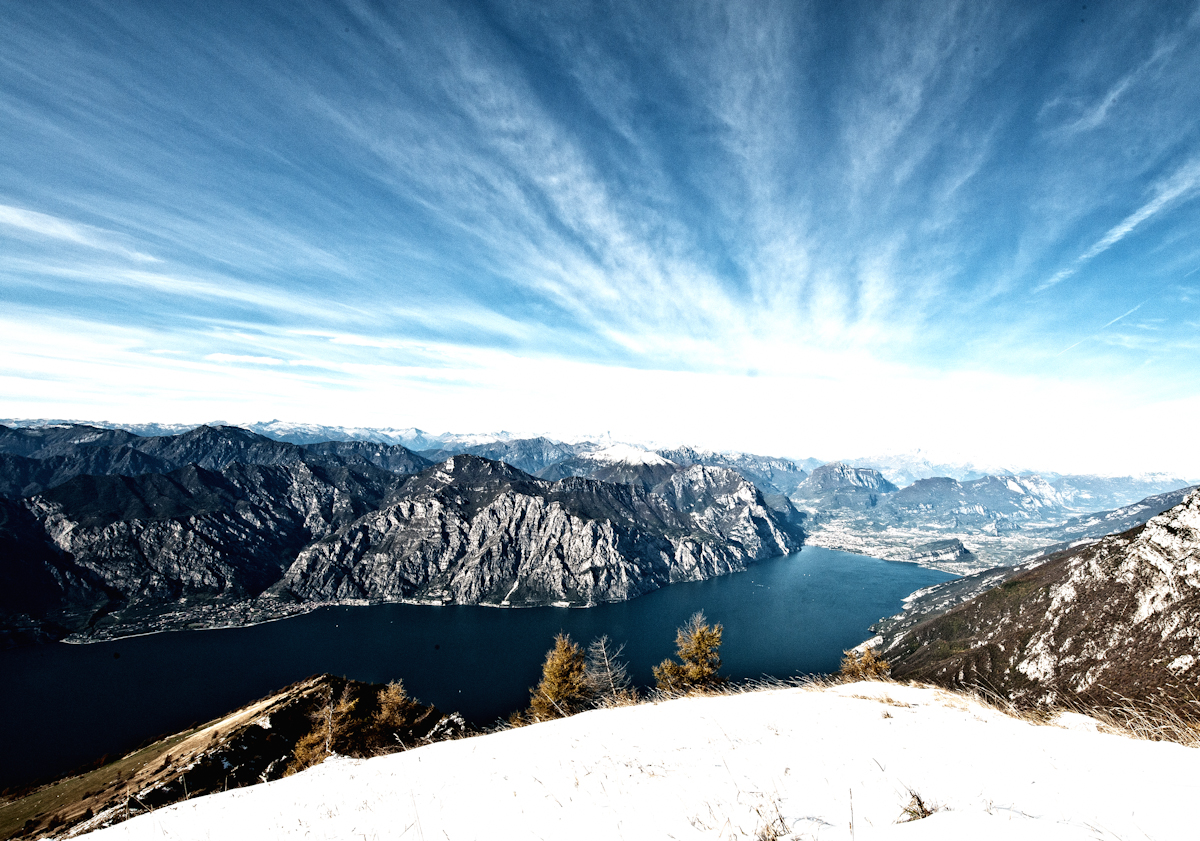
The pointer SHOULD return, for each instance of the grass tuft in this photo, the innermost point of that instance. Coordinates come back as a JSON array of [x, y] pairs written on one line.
[[917, 808]]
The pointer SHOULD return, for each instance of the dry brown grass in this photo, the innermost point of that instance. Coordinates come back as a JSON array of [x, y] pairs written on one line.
[[1148, 721], [917, 808], [1144, 720]]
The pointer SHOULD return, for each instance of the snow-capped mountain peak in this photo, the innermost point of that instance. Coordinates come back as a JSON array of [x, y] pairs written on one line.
[[624, 453]]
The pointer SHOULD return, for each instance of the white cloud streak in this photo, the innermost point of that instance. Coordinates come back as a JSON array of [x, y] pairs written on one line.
[[51, 227], [1179, 186], [1101, 330]]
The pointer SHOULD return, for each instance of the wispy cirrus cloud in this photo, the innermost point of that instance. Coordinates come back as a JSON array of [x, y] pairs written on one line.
[[24, 222], [460, 195], [1180, 186]]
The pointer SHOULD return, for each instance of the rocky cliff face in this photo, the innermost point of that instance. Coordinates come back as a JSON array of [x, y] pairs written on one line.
[[1120, 617], [839, 476], [832, 489], [105, 555], [472, 531], [104, 550]]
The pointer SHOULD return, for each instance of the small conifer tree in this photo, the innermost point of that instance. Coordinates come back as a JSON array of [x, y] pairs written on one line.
[[865, 666], [607, 675], [396, 714], [331, 722], [698, 647], [563, 689]]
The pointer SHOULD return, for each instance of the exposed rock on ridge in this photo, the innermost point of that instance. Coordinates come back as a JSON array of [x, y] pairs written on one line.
[[474, 531], [1117, 617], [110, 555]]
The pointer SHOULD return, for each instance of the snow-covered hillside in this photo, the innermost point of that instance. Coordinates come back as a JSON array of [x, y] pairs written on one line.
[[627, 454], [833, 763]]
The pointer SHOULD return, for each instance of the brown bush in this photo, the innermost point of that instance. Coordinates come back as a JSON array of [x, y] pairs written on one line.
[[864, 666]]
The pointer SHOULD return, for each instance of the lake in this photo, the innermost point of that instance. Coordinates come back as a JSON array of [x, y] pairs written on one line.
[[65, 705]]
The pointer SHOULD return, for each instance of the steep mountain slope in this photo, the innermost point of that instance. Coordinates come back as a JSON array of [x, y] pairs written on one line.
[[836, 486], [1120, 617], [216, 447], [836, 763], [102, 552], [390, 457], [622, 464], [992, 503], [21, 476], [249, 746], [476, 531], [110, 555]]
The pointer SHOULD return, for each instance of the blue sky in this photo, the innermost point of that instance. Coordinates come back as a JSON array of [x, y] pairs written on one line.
[[825, 229]]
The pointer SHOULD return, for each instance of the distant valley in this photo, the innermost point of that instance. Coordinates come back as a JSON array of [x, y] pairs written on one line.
[[967, 526]]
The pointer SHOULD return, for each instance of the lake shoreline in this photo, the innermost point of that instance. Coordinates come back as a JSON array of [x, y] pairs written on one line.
[[783, 617], [241, 614]]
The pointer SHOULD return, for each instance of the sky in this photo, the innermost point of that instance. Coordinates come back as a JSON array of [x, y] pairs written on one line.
[[806, 229]]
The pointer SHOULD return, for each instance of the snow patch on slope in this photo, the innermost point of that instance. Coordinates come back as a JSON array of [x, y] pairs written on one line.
[[624, 453], [836, 763]]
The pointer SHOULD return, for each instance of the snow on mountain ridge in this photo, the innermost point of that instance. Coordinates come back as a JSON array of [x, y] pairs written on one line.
[[618, 453]]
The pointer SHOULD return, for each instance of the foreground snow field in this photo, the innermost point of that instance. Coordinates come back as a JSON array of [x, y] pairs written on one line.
[[799, 763]]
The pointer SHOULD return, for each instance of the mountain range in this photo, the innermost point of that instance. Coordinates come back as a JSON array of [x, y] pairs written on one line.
[[985, 522], [106, 533]]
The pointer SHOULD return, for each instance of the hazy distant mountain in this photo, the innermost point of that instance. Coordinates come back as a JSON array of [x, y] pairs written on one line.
[[528, 454], [771, 475], [997, 520], [310, 433], [838, 486], [1095, 493], [905, 468], [1121, 519]]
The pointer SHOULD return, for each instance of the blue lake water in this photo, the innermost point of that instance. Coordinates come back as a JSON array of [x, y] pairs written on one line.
[[64, 705]]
